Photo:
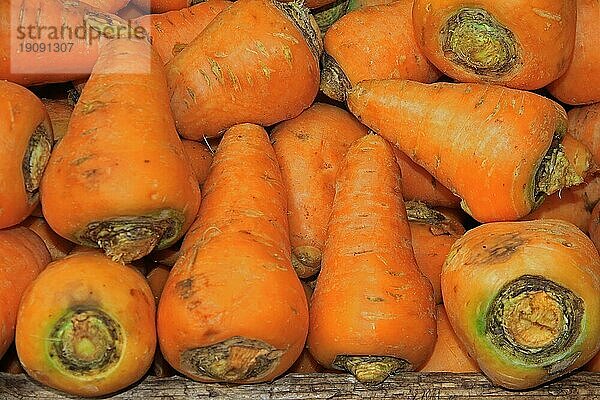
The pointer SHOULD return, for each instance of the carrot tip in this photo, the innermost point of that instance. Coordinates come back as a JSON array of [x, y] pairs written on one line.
[[306, 260], [334, 82], [371, 370], [36, 158], [232, 360]]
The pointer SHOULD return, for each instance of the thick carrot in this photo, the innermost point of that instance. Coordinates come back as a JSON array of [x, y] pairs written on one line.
[[171, 32], [54, 40], [375, 42], [584, 125], [86, 326], [310, 149], [111, 6], [580, 84], [524, 44], [25, 146], [233, 309], [496, 148], [58, 246], [524, 299], [419, 185], [59, 111], [23, 256], [200, 158], [119, 179], [265, 70], [372, 312], [449, 354], [433, 234]]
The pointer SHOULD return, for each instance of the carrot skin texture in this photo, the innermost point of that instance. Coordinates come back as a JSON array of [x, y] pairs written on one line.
[[580, 84], [584, 125], [560, 269], [234, 278], [23, 255], [310, 149], [523, 44], [121, 158], [22, 117], [79, 282], [466, 134], [59, 112], [262, 72], [172, 31], [370, 298], [200, 158], [58, 246]]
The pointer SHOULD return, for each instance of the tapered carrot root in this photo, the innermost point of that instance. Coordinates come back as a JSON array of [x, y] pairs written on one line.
[[171, 32], [373, 43], [59, 112], [372, 312], [120, 179], [524, 299], [200, 158], [496, 148], [449, 354], [233, 309], [310, 149], [23, 256], [265, 70], [524, 44], [584, 125], [24, 153], [86, 326], [433, 234], [419, 185], [111, 6], [580, 84], [58, 246]]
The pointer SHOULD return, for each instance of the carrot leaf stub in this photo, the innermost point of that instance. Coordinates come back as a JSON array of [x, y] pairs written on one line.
[[305, 22], [473, 39], [35, 160], [334, 82], [371, 370], [536, 321], [232, 360]]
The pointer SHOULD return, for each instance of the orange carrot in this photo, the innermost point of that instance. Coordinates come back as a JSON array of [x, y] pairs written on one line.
[[54, 40], [111, 6], [387, 49], [171, 32], [584, 125], [310, 149], [449, 354], [580, 84], [131, 11], [57, 246], [157, 277], [86, 326], [496, 148], [200, 158], [433, 234], [524, 44], [59, 112], [265, 70], [372, 312], [161, 6], [233, 309], [25, 147], [23, 256], [419, 185], [119, 179], [524, 299]]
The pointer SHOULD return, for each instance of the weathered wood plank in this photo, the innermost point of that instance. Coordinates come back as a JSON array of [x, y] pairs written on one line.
[[417, 386]]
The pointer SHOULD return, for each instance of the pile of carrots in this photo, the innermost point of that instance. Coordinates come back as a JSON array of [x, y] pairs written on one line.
[[233, 190]]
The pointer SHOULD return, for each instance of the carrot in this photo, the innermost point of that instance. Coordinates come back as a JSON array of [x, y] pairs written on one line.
[[387, 49], [233, 309], [131, 11], [310, 149], [111, 6], [166, 257], [523, 44], [496, 148], [594, 364], [584, 125], [449, 354], [524, 299], [594, 225], [23, 256], [54, 40], [265, 70], [200, 158], [59, 111], [433, 234], [419, 185], [171, 32], [25, 148], [119, 179], [57, 246], [327, 14], [580, 84], [162, 6], [372, 312], [356, 4], [86, 326]]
